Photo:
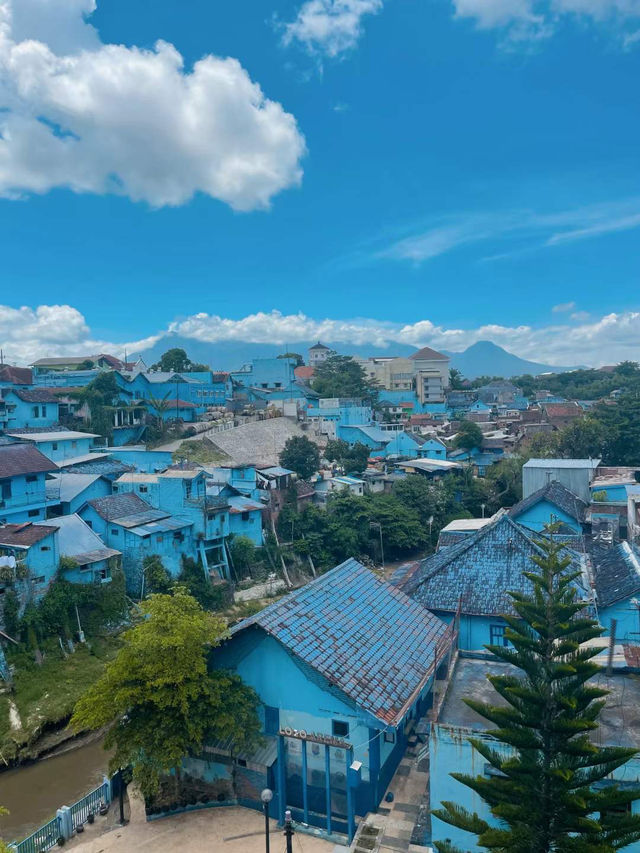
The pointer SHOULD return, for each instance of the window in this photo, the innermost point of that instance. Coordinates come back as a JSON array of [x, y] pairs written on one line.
[[45, 547], [34, 513], [35, 411], [389, 737], [44, 411], [241, 762], [74, 444], [40, 579], [143, 489], [271, 720], [31, 478], [5, 489], [278, 384], [339, 729], [265, 384], [54, 445], [496, 633], [223, 518], [115, 487], [159, 537], [245, 516], [115, 531]]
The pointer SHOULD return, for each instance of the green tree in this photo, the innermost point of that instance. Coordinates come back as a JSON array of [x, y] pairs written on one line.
[[542, 794], [296, 355], [158, 698], [455, 379], [87, 364], [243, 552], [176, 360], [351, 457], [11, 613], [469, 435], [210, 596], [342, 376], [4, 848], [621, 422], [301, 455], [584, 438], [100, 395], [156, 576]]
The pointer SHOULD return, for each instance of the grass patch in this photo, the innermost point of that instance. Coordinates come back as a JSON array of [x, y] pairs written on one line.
[[45, 695], [202, 451]]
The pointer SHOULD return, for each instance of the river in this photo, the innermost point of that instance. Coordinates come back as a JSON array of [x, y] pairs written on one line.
[[33, 793]]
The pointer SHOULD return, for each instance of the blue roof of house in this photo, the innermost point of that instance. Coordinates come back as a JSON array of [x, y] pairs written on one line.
[[361, 634], [559, 496], [479, 571], [372, 432], [616, 572]]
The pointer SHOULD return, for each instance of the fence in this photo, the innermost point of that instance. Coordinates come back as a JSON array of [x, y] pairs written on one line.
[[63, 825]]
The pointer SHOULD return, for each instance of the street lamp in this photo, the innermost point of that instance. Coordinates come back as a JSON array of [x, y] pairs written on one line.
[[379, 526], [266, 796]]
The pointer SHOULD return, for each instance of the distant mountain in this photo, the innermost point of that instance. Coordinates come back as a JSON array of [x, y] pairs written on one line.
[[481, 359], [488, 359], [231, 355]]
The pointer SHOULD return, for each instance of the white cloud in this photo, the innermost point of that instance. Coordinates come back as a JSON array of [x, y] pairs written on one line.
[[562, 307], [330, 27], [108, 118], [29, 333], [531, 229], [526, 19], [580, 316]]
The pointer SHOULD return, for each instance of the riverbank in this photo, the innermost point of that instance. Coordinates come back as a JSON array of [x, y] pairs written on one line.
[[34, 715]]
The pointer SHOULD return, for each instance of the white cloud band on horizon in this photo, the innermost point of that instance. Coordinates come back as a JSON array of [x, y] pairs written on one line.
[[106, 118], [58, 330]]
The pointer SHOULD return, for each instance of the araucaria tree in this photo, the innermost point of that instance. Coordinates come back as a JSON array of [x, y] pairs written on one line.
[[159, 698], [544, 795]]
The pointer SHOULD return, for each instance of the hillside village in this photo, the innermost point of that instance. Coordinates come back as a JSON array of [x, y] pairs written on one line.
[[360, 523]]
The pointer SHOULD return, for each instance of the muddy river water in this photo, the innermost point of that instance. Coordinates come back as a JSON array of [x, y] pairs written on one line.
[[33, 793]]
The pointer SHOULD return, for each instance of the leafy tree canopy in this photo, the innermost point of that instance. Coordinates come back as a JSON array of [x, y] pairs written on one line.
[[455, 379], [301, 455], [469, 435], [342, 376], [352, 457], [547, 763], [159, 698], [296, 355], [176, 360]]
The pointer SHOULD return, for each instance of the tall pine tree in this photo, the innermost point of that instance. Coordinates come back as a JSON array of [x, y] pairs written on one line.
[[545, 795]]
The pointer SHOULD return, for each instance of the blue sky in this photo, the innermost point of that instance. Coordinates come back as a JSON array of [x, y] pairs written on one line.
[[425, 171]]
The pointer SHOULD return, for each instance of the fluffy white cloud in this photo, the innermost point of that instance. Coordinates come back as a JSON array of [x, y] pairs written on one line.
[[526, 19], [108, 118], [58, 330], [331, 27]]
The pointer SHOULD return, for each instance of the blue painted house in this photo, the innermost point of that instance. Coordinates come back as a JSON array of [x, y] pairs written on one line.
[[94, 562], [432, 448], [616, 575], [127, 523], [61, 446], [450, 749], [245, 518], [342, 666], [32, 550], [69, 491], [476, 574], [23, 483], [22, 408], [552, 504], [373, 437]]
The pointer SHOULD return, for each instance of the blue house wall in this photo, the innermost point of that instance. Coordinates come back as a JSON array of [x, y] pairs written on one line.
[[475, 631], [543, 513], [23, 498], [627, 616], [65, 448], [432, 449], [21, 414], [402, 444], [269, 374], [146, 461]]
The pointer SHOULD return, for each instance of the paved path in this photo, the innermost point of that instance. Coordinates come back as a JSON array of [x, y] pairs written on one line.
[[226, 830]]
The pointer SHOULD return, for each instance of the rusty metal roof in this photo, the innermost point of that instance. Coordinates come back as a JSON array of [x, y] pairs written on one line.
[[23, 458], [365, 637]]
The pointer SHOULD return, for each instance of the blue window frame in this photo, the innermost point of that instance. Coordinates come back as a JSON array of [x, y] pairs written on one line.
[[496, 632], [271, 720]]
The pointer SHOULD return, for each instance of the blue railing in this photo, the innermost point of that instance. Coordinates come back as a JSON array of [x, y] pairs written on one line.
[[42, 839], [64, 824]]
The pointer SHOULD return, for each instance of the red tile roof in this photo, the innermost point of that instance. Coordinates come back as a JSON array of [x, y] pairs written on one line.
[[304, 372], [428, 354], [17, 375], [24, 535], [16, 459]]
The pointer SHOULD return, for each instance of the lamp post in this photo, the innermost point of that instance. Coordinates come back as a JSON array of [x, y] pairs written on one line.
[[379, 526], [288, 831], [266, 796]]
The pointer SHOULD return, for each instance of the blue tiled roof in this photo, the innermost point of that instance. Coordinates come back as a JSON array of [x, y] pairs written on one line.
[[559, 496], [616, 572], [479, 571], [361, 634]]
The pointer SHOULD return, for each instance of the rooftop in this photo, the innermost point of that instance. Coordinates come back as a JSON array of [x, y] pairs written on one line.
[[24, 535], [559, 496], [55, 435], [619, 721], [34, 395], [428, 354], [118, 506], [78, 541], [361, 634], [22, 458], [17, 375], [562, 463], [68, 486], [466, 524], [616, 572], [82, 459]]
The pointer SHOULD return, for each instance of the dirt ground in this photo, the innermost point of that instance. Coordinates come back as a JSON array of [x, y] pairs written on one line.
[[228, 830]]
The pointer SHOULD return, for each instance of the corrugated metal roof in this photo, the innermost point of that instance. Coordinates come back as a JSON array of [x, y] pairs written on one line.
[[562, 463], [82, 460], [163, 525], [56, 435], [67, 486], [138, 518], [364, 636], [23, 458], [76, 539]]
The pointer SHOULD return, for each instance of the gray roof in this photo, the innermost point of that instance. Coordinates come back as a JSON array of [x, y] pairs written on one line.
[[169, 524], [35, 395], [616, 572], [557, 494], [78, 541], [479, 571], [68, 486], [562, 463], [23, 458], [119, 506]]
